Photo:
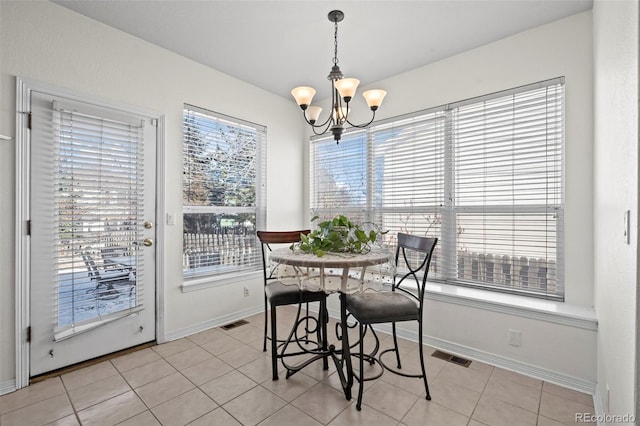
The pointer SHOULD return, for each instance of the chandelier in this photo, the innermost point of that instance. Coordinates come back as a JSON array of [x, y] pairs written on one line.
[[342, 91]]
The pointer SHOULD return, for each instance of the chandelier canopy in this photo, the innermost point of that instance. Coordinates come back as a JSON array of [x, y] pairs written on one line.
[[342, 91]]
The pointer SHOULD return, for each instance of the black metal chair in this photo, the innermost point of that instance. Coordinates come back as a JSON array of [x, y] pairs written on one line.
[[277, 293], [403, 303]]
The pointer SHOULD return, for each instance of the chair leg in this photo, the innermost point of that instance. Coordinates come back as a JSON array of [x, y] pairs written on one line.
[[395, 345], [264, 344], [424, 372], [361, 364], [274, 345], [323, 318]]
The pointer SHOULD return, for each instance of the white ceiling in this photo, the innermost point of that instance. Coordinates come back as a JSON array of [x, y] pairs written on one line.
[[277, 45]]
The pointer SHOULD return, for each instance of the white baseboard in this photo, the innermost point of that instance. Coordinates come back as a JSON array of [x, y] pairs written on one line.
[[214, 322], [599, 407], [7, 386]]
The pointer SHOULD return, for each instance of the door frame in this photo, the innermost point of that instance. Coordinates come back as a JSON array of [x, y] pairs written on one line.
[[24, 87]]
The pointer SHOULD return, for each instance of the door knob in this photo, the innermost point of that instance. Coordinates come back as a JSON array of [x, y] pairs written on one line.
[[148, 225], [147, 242]]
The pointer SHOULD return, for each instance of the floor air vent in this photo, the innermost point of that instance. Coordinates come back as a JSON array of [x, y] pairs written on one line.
[[234, 325], [451, 358]]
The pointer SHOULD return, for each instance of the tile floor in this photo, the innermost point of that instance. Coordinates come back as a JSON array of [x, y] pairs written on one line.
[[220, 377]]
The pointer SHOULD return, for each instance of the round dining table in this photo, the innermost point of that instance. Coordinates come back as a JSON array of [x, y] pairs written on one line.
[[341, 273]]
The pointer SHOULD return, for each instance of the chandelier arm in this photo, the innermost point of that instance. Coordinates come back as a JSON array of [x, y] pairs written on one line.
[[314, 125], [361, 126], [326, 125]]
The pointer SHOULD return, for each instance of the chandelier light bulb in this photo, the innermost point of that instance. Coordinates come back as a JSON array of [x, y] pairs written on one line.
[[303, 95], [374, 98], [313, 113], [347, 87]]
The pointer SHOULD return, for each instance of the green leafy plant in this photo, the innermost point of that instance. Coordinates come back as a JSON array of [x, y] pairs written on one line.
[[338, 235]]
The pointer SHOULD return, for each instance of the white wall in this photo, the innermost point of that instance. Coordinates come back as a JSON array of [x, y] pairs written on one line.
[[48, 43], [557, 352], [615, 28]]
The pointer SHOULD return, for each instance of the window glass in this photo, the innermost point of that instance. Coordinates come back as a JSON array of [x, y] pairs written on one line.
[[223, 193]]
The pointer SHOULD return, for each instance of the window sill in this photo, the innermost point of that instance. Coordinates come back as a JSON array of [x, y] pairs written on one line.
[[202, 283], [545, 310]]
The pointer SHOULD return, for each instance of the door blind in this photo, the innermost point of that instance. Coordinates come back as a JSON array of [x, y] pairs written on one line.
[[98, 183]]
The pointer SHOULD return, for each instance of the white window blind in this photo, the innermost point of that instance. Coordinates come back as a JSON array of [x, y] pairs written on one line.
[[223, 193], [483, 175], [98, 200]]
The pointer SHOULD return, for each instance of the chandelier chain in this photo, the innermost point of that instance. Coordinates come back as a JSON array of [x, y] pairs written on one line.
[[335, 43]]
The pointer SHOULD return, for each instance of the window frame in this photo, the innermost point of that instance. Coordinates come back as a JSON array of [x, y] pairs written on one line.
[[448, 208], [217, 271]]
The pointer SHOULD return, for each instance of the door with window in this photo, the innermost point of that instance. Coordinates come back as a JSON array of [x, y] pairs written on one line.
[[92, 224]]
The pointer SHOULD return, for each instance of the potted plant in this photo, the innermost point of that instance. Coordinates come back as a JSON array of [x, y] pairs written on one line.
[[338, 235]]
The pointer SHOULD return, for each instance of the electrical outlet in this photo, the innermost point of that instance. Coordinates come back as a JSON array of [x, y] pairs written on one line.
[[515, 338], [246, 292]]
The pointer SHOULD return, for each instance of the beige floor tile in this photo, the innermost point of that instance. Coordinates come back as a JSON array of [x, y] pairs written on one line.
[[88, 375], [453, 396], [291, 388], [368, 416], [228, 386], [135, 359], [97, 392], [321, 402], [206, 371], [289, 415], [112, 411], [222, 345], [171, 348], [253, 406], [544, 421], [206, 336], [187, 358], [148, 373], [70, 420], [184, 408], [478, 365], [428, 413], [40, 413], [468, 377], [246, 333], [164, 389], [574, 395], [391, 400], [217, 417], [515, 377], [413, 385], [260, 369], [143, 419], [497, 413], [240, 356], [31, 394], [561, 409], [476, 423], [514, 393]]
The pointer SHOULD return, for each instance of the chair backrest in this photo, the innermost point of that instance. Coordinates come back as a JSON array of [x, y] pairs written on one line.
[[92, 268], [413, 258], [270, 238]]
